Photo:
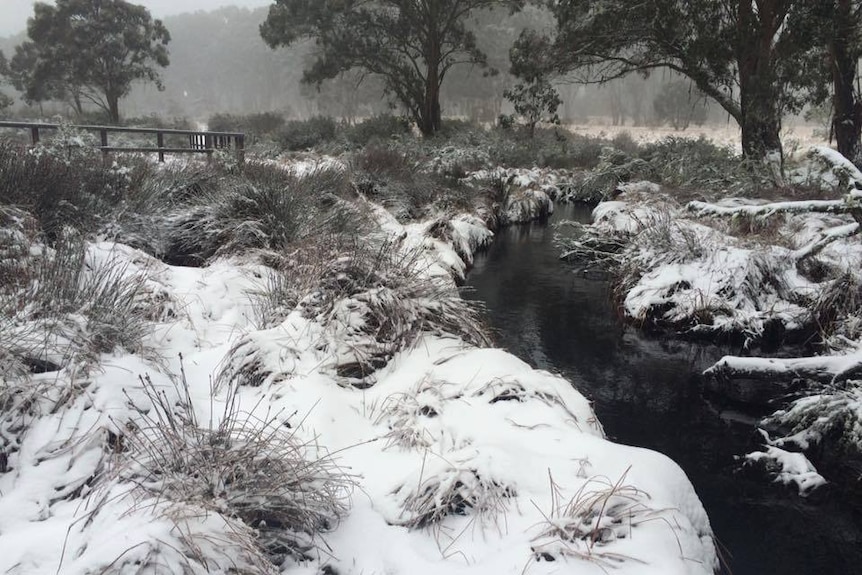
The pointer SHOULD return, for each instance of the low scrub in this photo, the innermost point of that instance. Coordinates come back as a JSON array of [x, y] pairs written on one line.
[[256, 127], [599, 513], [373, 300], [377, 128], [65, 305], [64, 183], [266, 207], [285, 490], [393, 178], [300, 135]]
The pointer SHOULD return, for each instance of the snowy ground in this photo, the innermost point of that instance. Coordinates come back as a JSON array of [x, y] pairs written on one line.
[[449, 458], [795, 136]]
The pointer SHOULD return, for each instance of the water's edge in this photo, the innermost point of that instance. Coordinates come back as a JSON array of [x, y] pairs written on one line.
[[647, 392]]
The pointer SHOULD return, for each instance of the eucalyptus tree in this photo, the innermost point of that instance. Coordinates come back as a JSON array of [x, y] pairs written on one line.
[[410, 44], [89, 50], [758, 59]]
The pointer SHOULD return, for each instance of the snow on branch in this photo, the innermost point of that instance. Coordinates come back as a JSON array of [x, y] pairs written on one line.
[[850, 206]]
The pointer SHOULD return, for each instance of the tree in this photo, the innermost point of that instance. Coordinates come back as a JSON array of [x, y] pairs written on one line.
[[844, 45], [533, 97], [5, 101], [679, 104], [89, 50], [755, 58], [410, 44]]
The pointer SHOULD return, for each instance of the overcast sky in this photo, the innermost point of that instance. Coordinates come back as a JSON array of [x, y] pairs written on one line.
[[14, 13]]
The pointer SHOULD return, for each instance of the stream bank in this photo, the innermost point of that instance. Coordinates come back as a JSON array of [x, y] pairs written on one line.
[[648, 392]]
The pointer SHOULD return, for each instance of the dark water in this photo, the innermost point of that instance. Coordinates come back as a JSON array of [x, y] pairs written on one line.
[[647, 392]]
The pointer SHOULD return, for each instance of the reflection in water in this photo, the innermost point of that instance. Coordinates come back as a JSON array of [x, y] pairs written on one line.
[[647, 393]]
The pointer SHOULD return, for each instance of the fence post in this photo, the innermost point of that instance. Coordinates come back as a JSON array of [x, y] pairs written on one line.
[[160, 141], [240, 148], [103, 136], [34, 135], [208, 145]]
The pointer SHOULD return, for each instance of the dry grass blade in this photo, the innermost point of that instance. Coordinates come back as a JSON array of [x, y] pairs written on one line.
[[455, 490], [405, 412], [600, 512], [239, 466]]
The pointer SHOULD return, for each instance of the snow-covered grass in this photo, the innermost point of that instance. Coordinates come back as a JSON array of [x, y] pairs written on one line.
[[244, 441], [730, 267], [755, 269]]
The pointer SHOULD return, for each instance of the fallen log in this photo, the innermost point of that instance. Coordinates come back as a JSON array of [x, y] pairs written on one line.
[[760, 380], [705, 209]]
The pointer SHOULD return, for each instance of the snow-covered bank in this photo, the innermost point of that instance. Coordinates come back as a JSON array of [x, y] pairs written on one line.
[[438, 456], [761, 272]]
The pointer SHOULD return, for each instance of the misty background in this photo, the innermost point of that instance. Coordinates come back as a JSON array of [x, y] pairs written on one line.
[[220, 64]]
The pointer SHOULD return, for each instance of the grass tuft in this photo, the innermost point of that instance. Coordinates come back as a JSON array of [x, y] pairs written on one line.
[[599, 513], [238, 466]]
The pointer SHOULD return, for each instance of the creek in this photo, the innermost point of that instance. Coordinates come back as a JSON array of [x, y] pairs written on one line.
[[647, 392]]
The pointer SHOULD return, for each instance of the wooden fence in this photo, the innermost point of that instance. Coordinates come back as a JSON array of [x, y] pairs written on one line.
[[198, 142]]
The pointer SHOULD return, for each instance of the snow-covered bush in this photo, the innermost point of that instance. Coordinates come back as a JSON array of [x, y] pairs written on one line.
[[601, 511], [391, 177], [286, 491], [452, 489], [838, 311], [267, 207], [370, 301], [59, 187], [72, 305]]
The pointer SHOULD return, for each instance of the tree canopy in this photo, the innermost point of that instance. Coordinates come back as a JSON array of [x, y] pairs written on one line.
[[89, 50], [758, 59], [5, 101], [410, 44]]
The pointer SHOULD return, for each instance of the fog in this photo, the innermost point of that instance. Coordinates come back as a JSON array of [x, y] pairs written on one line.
[[14, 13]]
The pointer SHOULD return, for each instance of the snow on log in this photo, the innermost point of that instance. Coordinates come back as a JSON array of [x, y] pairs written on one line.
[[704, 209], [815, 246], [758, 379]]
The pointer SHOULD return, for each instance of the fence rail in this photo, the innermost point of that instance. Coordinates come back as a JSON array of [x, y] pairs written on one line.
[[198, 142]]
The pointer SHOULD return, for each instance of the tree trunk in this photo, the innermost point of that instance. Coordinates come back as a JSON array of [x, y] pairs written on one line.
[[761, 129], [429, 110], [760, 115], [79, 106], [847, 117], [113, 108], [429, 114]]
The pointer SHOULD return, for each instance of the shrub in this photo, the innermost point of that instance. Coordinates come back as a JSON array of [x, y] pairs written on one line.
[[66, 305], [264, 208], [700, 164], [157, 121], [264, 125], [62, 183], [385, 295], [600, 512], [241, 467], [549, 147], [300, 135], [392, 179], [382, 127]]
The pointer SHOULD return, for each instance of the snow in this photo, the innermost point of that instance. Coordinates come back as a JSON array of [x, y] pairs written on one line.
[[830, 167], [791, 468], [516, 443], [685, 268]]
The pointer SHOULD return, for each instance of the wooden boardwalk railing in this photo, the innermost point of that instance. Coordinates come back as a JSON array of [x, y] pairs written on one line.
[[198, 142]]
